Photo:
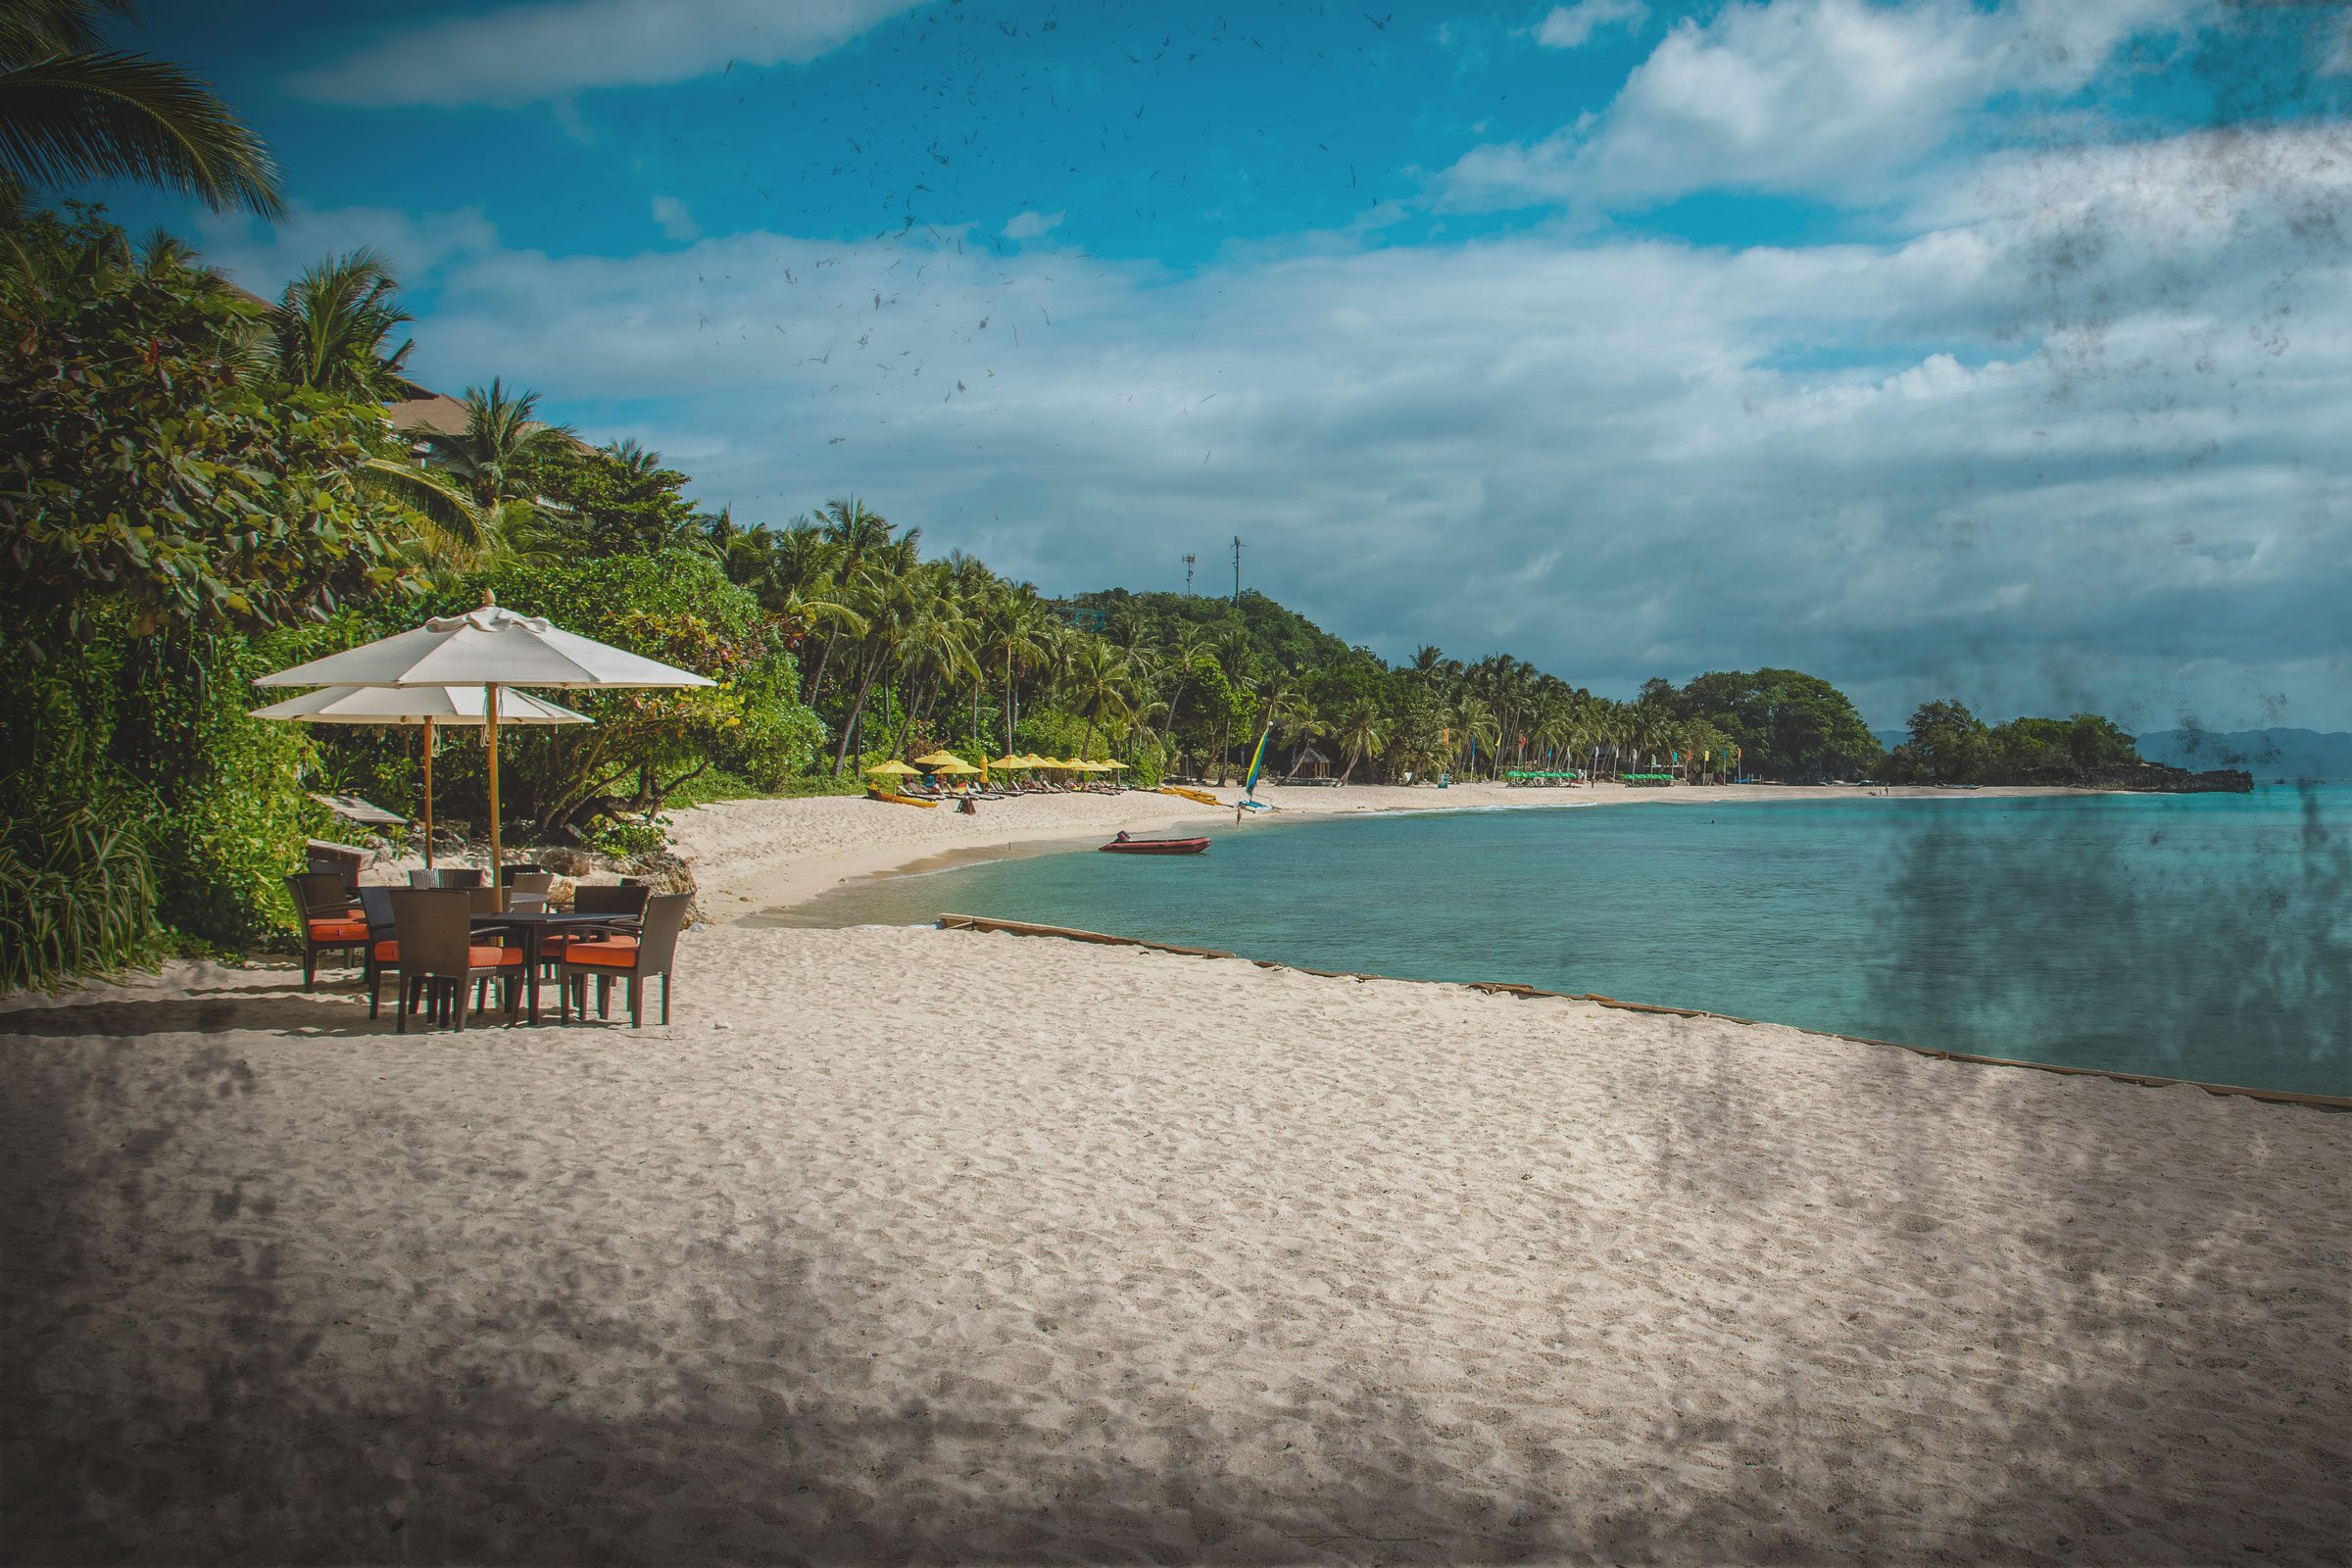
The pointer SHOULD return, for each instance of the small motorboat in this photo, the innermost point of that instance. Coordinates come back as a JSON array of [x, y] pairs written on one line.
[[1123, 845]]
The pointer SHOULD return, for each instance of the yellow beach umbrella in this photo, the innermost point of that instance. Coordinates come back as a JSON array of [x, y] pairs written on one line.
[[941, 759], [895, 768], [1006, 760], [952, 766]]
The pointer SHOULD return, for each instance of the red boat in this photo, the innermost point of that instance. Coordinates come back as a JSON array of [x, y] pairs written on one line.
[[1123, 845]]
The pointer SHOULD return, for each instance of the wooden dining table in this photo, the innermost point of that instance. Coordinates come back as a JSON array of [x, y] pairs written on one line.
[[534, 926]]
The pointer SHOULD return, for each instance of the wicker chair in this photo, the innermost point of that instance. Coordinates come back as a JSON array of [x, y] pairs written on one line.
[[437, 952], [328, 923], [623, 903], [636, 959], [447, 876], [384, 944]]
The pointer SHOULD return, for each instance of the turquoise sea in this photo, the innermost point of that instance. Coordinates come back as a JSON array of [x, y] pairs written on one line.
[[2205, 937]]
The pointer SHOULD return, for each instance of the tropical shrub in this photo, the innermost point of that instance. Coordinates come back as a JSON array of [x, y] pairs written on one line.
[[77, 897]]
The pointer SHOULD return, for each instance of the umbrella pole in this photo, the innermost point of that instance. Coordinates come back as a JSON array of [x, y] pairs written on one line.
[[490, 739], [428, 794]]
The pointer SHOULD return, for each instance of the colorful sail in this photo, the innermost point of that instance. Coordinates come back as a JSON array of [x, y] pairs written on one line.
[[1257, 760]]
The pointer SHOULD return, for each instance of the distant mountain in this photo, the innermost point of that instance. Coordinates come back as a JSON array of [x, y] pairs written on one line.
[[2266, 754]]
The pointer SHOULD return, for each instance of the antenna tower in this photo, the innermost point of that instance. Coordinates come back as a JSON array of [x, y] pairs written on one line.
[[1188, 574], [1237, 568]]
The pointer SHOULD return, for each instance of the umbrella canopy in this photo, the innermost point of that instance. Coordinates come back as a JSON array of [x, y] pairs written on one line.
[[941, 759], [490, 648], [414, 707], [895, 770], [417, 704], [1008, 761], [952, 766]]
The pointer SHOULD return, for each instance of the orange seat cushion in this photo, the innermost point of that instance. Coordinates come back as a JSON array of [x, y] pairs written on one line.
[[484, 957], [620, 953], [338, 930]]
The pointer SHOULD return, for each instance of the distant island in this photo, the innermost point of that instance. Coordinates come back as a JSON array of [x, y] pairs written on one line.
[[2291, 755], [1946, 744]]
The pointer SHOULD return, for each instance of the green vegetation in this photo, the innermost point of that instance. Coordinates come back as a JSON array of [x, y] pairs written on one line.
[[1949, 745]]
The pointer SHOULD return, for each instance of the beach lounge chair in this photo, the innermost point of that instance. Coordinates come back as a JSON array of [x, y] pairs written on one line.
[[634, 958], [439, 954], [329, 925]]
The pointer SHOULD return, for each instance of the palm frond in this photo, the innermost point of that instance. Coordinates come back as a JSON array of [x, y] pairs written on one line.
[[32, 28], [74, 116], [453, 525]]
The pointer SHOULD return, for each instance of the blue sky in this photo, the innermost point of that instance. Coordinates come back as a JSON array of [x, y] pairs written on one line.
[[1995, 350]]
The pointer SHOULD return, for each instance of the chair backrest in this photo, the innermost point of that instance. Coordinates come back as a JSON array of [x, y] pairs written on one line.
[[480, 900], [433, 926], [376, 907], [344, 868], [319, 895], [596, 897], [527, 881], [447, 876], [658, 941], [507, 873]]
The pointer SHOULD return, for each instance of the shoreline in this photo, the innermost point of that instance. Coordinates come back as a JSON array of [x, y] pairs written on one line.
[[829, 841]]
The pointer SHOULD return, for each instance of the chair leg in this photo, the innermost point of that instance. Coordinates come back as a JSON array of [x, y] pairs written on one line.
[[603, 995], [457, 997], [309, 966], [636, 1002], [666, 996], [375, 995]]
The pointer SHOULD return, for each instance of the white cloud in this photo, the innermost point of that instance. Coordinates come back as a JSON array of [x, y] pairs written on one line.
[[527, 53], [1029, 225], [263, 258], [1816, 97], [1569, 27], [675, 221], [2119, 381]]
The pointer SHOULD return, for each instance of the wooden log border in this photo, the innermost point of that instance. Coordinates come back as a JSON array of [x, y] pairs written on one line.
[[1505, 988]]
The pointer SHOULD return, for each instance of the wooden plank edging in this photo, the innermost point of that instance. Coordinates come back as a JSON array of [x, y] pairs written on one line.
[[1507, 988]]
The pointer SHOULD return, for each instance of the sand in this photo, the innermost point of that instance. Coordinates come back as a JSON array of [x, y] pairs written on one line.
[[925, 1246], [917, 1245]]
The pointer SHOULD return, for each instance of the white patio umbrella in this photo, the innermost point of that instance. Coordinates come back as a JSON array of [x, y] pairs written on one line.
[[490, 648], [408, 706]]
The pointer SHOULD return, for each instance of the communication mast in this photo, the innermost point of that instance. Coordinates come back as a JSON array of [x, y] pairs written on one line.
[[1237, 568], [1188, 574]]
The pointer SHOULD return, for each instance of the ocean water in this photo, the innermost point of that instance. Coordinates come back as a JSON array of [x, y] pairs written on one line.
[[2206, 937]]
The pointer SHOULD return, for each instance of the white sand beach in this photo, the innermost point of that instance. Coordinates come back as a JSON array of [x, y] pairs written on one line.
[[920, 1245]]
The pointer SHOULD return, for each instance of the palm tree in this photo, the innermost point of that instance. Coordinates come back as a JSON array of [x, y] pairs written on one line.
[[1363, 732], [1102, 685], [328, 330], [491, 458], [72, 110]]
